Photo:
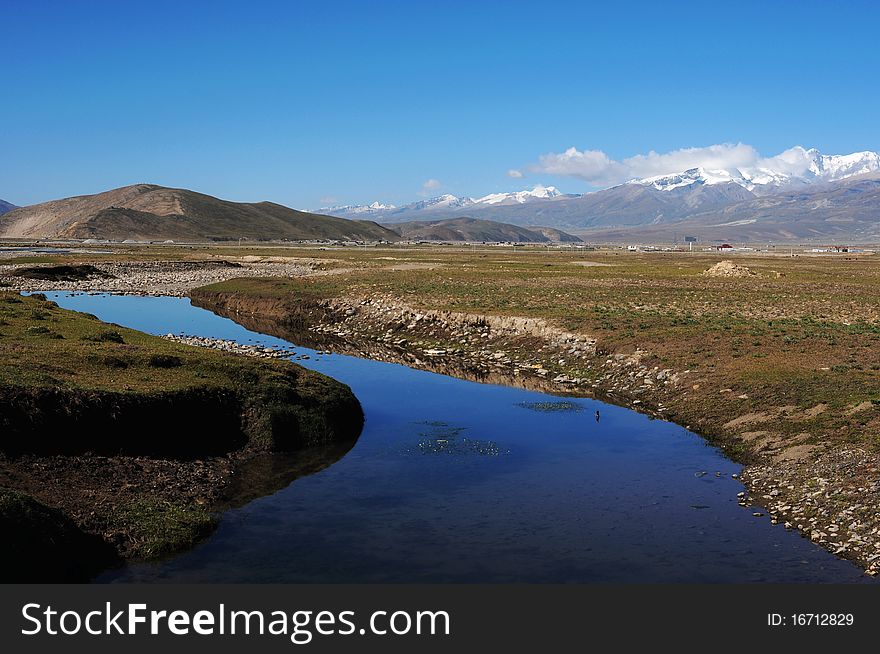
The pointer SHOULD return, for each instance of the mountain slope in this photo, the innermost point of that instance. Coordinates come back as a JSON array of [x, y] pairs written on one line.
[[633, 203], [556, 235], [150, 212], [845, 211], [624, 205], [6, 207], [473, 230]]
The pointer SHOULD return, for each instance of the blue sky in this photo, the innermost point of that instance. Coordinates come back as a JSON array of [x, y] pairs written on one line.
[[347, 102]]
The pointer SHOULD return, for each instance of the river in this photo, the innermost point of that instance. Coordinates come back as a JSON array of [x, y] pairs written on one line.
[[456, 481]]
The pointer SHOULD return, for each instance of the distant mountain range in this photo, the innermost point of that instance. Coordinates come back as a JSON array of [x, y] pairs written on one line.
[[799, 195], [150, 212], [6, 207], [842, 212], [442, 204], [474, 230]]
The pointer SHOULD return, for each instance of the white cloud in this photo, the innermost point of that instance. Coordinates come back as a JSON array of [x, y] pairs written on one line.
[[590, 165], [794, 161], [597, 168], [429, 187], [516, 174]]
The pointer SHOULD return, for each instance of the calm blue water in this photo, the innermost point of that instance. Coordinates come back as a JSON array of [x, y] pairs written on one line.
[[454, 481]]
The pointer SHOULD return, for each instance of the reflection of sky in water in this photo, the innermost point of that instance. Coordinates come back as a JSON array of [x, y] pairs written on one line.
[[458, 481]]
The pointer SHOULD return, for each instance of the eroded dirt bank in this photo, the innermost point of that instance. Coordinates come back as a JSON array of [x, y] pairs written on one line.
[[830, 494], [148, 475], [118, 445]]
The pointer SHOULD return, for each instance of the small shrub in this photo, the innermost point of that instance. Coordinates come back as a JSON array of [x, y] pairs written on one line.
[[164, 361], [112, 361], [39, 330], [158, 528], [106, 336]]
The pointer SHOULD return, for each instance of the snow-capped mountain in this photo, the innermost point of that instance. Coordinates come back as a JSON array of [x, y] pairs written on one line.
[[355, 209], [793, 179], [445, 203], [831, 167], [539, 192], [793, 168], [796, 168]]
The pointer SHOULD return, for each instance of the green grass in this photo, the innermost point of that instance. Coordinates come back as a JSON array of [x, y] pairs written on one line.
[[40, 341], [283, 405], [156, 528]]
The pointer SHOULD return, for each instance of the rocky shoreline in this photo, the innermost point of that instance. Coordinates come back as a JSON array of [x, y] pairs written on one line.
[[524, 352], [158, 278], [233, 347]]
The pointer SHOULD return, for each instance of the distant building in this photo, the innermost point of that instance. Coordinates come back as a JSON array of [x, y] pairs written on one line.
[[832, 248]]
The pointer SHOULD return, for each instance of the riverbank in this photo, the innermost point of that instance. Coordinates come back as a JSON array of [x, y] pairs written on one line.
[[133, 442], [751, 363], [168, 278]]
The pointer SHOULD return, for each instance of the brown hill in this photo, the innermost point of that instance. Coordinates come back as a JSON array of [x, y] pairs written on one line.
[[150, 212]]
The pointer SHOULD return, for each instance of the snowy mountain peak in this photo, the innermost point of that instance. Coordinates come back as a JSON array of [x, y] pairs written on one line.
[[356, 209], [795, 167], [839, 166], [445, 201], [539, 192], [692, 176]]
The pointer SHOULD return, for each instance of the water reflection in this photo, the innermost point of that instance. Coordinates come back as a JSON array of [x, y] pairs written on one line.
[[453, 481]]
